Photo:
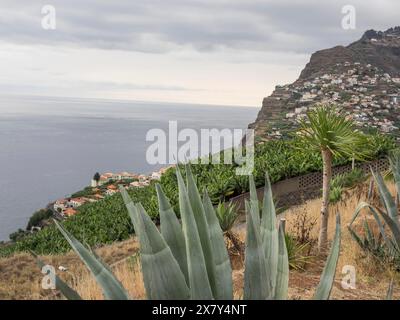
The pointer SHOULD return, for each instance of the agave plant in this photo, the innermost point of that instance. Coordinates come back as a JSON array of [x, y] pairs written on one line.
[[189, 259], [388, 212]]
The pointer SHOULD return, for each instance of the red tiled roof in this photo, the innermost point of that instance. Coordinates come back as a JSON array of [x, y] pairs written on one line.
[[70, 212]]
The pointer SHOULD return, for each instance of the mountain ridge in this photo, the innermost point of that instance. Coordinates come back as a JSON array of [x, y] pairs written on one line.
[[364, 77]]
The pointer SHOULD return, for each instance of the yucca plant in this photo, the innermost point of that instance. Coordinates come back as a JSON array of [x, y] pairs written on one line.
[[329, 132], [189, 260], [227, 215], [298, 253]]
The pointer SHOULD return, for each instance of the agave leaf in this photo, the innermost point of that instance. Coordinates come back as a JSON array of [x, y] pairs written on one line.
[[325, 284], [389, 293], [64, 288], [112, 288], [255, 272], [282, 279], [171, 231], [203, 228], [269, 233], [159, 267], [356, 237], [199, 283], [221, 258], [369, 234], [395, 166], [386, 197], [393, 226], [254, 200], [132, 211], [161, 273], [375, 213]]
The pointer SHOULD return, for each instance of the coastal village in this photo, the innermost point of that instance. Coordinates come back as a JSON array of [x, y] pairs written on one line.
[[365, 93], [106, 185], [363, 79]]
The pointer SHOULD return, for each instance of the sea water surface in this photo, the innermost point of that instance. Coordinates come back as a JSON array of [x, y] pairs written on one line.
[[51, 147]]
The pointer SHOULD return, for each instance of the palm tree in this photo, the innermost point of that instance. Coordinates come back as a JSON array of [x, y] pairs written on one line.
[[327, 130]]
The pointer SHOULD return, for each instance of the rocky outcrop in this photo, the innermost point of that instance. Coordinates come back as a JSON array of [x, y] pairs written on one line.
[[363, 78]]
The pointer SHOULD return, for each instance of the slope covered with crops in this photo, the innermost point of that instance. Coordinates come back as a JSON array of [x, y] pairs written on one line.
[[107, 221]]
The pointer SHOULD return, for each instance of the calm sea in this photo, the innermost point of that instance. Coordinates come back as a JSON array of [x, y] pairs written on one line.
[[51, 147]]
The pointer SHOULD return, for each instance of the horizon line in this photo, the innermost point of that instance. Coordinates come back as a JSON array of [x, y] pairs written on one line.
[[126, 100]]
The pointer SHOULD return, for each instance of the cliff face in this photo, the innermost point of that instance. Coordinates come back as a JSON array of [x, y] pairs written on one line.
[[363, 78]]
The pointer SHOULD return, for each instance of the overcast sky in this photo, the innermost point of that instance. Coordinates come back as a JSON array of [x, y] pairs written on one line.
[[230, 52]]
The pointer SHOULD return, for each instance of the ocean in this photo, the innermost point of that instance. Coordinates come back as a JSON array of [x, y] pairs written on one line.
[[51, 147]]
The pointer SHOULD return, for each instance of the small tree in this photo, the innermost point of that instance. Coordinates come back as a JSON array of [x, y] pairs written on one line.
[[329, 131], [96, 177]]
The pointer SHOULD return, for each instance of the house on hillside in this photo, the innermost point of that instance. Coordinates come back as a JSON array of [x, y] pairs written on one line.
[[125, 176], [60, 205], [155, 176], [70, 212], [76, 202], [111, 189]]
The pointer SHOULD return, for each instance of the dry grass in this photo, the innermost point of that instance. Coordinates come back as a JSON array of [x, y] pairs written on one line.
[[128, 272], [20, 278], [372, 277]]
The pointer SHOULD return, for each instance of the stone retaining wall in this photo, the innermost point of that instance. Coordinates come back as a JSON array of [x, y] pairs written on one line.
[[295, 190]]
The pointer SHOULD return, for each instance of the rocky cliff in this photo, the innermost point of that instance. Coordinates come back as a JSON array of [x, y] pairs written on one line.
[[362, 78]]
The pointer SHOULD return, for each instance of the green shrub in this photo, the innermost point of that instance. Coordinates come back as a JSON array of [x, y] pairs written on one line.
[[343, 181], [227, 215], [298, 253], [40, 215], [88, 191]]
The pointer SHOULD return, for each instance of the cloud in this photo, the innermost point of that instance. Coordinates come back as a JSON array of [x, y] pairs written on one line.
[[159, 26], [205, 51]]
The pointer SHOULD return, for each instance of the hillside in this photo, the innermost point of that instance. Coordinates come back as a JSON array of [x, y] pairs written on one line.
[[364, 78], [106, 221], [20, 277]]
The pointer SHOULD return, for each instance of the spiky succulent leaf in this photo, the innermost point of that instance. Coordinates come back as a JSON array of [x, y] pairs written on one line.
[[162, 275], [375, 213], [132, 211], [202, 226], [171, 231], [356, 237], [112, 288], [386, 197], [394, 228], [269, 234], [199, 283], [326, 127], [254, 200], [324, 288], [394, 160], [221, 258], [63, 287], [255, 272], [282, 278]]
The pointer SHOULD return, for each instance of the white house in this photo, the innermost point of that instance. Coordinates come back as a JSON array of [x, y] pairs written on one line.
[[76, 202], [60, 205], [155, 176]]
